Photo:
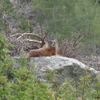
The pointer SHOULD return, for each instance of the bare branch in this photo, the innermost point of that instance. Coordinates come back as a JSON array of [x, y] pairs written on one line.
[[24, 42], [20, 35]]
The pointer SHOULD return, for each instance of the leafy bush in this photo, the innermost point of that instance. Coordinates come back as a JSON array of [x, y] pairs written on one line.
[[21, 84]]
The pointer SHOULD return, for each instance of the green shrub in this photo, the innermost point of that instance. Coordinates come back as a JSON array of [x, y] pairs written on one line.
[[21, 83]]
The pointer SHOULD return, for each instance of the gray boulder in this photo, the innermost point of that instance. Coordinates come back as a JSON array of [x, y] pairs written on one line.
[[63, 66]]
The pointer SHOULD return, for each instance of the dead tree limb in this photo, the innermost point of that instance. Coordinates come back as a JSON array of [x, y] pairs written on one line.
[[25, 42]]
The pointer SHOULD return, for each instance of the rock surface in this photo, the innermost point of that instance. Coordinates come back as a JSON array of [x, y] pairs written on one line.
[[63, 66]]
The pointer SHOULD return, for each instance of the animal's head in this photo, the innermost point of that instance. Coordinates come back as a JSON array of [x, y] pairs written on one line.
[[51, 43]]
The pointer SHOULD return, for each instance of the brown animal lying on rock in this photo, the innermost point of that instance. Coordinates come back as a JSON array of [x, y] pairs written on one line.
[[48, 49]]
